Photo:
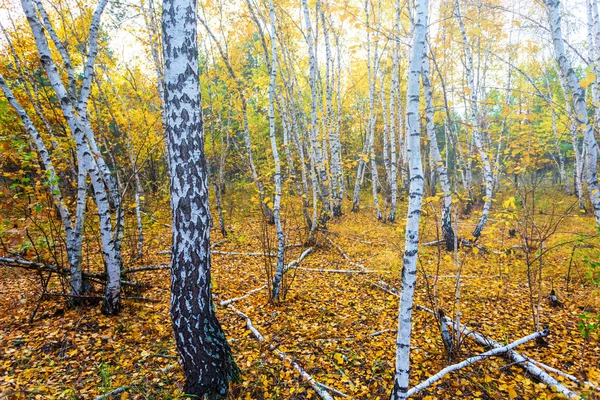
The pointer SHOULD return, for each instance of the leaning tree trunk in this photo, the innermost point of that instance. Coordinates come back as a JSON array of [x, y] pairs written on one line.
[[579, 106], [206, 358], [73, 235], [411, 246], [81, 131]]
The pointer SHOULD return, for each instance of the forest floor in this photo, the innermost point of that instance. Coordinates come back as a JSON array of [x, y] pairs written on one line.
[[326, 322]]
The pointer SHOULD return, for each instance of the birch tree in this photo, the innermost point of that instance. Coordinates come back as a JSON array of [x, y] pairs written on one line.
[[580, 114], [316, 145], [436, 157], [74, 109], [277, 177], [206, 358], [411, 244], [476, 130], [73, 233]]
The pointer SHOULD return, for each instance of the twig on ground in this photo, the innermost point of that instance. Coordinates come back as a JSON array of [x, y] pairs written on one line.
[[145, 268], [115, 392], [344, 255], [383, 332], [295, 263], [225, 303]]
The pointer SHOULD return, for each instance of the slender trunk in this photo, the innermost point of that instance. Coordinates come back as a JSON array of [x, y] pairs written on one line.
[[436, 158], [277, 177], [579, 106], [477, 134], [78, 125], [73, 235], [316, 147], [409, 268]]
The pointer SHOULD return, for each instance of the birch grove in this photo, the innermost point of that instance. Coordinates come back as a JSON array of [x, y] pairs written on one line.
[[218, 147]]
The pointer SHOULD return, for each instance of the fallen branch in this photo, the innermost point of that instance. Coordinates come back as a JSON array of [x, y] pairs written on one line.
[[530, 367], [344, 255], [30, 265], [465, 363], [238, 253], [118, 390], [340, 271], [225, 303], [434, 243], [295, 263], [145, 268], [220, 242], [92, 297], [382, 332], [319, 388]]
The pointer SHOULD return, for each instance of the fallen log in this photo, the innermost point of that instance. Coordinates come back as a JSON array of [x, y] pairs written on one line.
[[563, 374], [471, 360], [517, 358], [30, 265]]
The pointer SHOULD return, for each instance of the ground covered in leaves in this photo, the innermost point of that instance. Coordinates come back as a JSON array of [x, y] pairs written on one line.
[[338, 326]]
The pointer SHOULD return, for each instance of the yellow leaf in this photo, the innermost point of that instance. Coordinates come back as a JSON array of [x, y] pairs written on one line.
[[475, 250], [511, 393], [588, 80]]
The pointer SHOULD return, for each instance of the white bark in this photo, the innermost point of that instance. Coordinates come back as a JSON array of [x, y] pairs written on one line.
[[436, 158], [78, 126], [316, 147], [472, 360], [394, 97], [409, 267], [73, 236], [477, 135], [277, 177], [515, 357]]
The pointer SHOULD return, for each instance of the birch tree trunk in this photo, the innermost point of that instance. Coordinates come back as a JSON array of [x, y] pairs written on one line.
[[436, 158], [394, 90], [477, 135], [206, 358], [277, 177], [411, 246], [79, 126], [73, 235], [334, 140], [315, 144], [579, 105]]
